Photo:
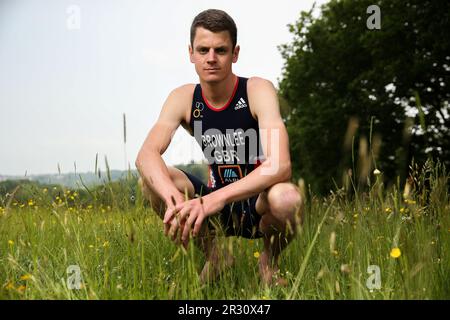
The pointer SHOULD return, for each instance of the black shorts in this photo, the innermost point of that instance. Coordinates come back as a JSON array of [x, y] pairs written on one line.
[[237, 218]]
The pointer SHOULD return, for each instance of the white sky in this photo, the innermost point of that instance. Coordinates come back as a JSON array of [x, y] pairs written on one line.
[[63, 91]]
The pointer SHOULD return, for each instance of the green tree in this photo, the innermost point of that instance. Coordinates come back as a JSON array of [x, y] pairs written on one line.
[[393, 80]]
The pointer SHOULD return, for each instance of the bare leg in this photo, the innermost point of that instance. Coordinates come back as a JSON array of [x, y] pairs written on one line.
[[269, 259], [281, 209], [216, 260]]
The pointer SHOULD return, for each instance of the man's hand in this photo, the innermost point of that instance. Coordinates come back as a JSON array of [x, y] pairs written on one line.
[[171, 220], [190, 215]]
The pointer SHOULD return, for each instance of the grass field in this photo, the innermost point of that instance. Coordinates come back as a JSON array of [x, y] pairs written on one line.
[[123, 253]]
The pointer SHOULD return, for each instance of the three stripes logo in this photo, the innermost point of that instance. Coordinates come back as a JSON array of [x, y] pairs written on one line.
[[240, 104]]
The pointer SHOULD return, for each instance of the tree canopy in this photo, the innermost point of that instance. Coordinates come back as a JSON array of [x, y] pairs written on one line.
[[381, 93]]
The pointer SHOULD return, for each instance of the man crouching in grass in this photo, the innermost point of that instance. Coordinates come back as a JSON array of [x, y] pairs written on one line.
[[238, 125]]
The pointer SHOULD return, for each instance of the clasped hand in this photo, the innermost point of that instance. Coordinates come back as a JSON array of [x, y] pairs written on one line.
[[181, 218]]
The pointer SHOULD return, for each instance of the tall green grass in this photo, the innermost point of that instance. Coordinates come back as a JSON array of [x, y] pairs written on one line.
[[122, 252]]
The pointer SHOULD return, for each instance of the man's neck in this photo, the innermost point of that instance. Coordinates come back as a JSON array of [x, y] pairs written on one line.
[[218, 93]]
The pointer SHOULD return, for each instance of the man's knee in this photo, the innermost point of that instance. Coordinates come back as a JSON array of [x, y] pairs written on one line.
[[145, 190], [181, 181], [176, 176], [141, 183], [285, 202], [153, 199]]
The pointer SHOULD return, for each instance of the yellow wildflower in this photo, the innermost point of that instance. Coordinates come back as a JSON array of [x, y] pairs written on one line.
[[106, 244], [256, 254], [395, 253], [45, 190], [10, 242], [388, 210], [9, 285], [21, 289], [26, 277]]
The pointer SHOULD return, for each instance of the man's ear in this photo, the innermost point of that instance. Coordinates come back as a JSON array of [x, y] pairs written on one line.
[[236, 53], [191, 53]]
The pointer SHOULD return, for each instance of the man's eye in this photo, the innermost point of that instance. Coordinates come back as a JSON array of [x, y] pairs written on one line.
[[203, 51]]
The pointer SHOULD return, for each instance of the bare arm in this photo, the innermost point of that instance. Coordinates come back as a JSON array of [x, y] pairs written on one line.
[[149, 162]]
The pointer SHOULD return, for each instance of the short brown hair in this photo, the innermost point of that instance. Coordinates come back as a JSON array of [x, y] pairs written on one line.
[[214, 20]]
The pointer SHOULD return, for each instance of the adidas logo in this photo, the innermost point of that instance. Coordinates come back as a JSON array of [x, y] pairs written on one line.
[[229, 173], [240, 104]]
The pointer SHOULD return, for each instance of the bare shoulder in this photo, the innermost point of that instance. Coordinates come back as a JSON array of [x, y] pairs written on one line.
[[257, 84], [262, 96], [184, 89], [178, 103], [183, 93]]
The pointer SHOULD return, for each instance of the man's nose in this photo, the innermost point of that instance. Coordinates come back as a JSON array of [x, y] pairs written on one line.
[[211, 56]]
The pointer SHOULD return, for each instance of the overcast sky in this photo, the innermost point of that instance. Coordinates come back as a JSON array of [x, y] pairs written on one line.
[[70, 69]]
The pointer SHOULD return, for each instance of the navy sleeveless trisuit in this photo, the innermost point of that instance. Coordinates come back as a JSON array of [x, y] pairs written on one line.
[[230, 141]]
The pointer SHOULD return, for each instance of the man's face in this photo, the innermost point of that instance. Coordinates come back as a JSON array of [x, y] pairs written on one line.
[[212, 54]]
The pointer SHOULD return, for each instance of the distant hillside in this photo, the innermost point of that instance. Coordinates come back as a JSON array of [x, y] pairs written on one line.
[[73, 180]]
